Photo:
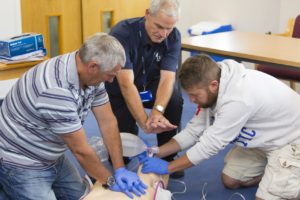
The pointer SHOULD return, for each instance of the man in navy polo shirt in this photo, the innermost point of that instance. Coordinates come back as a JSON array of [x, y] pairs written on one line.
[[152, 46]]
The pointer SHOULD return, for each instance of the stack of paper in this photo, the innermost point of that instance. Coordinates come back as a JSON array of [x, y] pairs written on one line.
[[33, 56]]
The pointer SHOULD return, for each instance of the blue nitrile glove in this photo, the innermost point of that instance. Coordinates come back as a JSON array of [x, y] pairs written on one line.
[[155, 165], [142, 156], [116, 188], [144, 153], [146, 142], [129, 180], [150, 152]]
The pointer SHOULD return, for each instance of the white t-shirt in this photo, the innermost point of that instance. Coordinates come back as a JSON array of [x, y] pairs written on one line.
[[253, 110]]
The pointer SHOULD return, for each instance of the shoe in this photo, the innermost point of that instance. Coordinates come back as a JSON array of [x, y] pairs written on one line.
[[177, 175]]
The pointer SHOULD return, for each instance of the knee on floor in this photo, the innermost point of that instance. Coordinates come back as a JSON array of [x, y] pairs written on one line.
[[229, 182]]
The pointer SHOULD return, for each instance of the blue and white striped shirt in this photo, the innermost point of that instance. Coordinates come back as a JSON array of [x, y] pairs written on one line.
[[45, 103]]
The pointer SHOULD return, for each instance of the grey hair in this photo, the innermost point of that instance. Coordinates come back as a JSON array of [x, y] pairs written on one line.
[[169, 7], [103, 49]]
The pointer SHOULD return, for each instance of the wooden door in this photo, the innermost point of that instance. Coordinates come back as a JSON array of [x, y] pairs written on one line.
[[98, 15], [58, 20]]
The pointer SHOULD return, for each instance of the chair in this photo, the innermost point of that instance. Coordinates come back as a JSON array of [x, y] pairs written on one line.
[[290, 75]]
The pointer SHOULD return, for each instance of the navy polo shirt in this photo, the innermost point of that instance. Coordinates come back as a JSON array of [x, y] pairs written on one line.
[[146, 59]]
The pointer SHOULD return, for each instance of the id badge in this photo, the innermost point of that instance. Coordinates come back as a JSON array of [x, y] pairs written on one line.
[[146, 96]]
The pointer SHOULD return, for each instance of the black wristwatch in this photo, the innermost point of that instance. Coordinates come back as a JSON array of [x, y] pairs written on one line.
[[109, 182]]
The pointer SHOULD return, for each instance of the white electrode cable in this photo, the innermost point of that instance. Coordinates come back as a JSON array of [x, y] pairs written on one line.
[[180, 192], [204, 193], [237, 194]]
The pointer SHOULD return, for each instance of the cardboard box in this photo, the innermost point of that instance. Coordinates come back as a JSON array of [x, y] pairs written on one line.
[[22, 44]]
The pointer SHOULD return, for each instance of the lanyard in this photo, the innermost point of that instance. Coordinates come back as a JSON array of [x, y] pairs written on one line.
[[144, 71]]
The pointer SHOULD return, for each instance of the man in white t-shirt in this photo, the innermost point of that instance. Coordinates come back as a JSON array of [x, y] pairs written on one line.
[[253, 110]]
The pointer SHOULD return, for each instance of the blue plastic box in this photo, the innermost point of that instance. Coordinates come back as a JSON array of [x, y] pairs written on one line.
[[22, 44]]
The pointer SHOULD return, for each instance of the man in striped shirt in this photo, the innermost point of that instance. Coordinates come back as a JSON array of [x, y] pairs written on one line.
[[42, 116]]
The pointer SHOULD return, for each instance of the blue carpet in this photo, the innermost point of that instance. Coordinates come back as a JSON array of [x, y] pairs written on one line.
[[207, 174], [205, 179]]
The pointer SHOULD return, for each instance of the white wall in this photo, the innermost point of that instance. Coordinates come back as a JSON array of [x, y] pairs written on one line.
[[255, 15], [259, 16], [10, 18], [288, 9]]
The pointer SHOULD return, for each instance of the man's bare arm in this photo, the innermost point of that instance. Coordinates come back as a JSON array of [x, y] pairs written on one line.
[[132, 97], [111, 136], [163, 94], [168, 148], [86, 156]]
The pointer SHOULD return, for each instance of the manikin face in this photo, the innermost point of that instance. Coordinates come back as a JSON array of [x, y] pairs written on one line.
[[159, 26], [205, 96]]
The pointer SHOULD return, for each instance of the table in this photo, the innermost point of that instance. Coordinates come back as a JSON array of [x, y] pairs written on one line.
[[10, 71], [9, 74], [244, 46]]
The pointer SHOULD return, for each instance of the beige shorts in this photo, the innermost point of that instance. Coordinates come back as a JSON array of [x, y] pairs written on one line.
[[281, 178], [244, 164], [282, 175]]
